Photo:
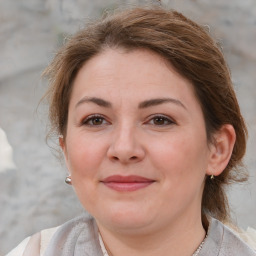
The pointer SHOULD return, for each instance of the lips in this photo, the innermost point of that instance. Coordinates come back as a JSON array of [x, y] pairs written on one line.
[[127, 183]]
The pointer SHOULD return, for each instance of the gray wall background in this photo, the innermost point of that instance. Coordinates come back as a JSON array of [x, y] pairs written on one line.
[[34, 196]]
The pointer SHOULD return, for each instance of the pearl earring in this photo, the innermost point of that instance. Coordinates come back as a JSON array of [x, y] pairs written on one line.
[[68, 180]]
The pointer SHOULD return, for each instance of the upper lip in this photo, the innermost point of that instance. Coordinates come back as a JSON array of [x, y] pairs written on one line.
[[126, 179]]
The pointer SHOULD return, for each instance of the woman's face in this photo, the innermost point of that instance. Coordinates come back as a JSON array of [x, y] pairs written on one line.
[[136, 144]]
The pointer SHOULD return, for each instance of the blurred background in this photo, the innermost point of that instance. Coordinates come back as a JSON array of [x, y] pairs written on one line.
[[33, 195]]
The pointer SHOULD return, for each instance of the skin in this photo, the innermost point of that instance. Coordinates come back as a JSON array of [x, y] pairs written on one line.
[[164, 142]]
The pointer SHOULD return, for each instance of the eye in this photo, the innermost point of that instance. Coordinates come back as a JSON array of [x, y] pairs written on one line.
[[94, 120], [161, 120]]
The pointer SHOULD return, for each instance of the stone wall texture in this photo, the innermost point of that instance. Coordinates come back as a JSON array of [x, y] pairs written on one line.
[[33, 194]]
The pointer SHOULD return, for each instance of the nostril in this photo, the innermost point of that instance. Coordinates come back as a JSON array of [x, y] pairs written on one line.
[[134, 157]]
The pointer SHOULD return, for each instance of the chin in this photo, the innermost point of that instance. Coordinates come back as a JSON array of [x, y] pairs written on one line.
[[126, 220]]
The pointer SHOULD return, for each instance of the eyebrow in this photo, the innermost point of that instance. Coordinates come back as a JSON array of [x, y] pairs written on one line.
[[98, 101], [155, 102], [144, 104]]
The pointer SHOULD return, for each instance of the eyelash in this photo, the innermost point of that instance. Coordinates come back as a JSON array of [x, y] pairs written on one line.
[[166, 120], [91, 118]]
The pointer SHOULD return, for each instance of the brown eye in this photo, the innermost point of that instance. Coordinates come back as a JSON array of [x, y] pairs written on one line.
[[160, 121], [94, 121], [97, 121]]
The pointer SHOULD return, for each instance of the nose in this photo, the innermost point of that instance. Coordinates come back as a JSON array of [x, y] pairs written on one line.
[[125, 146]]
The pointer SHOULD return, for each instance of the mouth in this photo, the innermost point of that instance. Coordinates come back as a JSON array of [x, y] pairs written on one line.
[[127, 183]]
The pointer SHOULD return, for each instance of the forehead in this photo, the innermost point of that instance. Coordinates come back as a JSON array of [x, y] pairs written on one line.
[[134, 74]]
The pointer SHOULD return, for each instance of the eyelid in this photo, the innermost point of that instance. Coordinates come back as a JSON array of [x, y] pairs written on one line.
[[165, 117], [90, 117]]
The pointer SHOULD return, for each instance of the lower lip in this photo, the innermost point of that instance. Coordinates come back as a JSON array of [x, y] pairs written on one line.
[[129, 186]]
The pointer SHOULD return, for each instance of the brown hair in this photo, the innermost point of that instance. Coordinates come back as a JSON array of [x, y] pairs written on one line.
[[189, 49]]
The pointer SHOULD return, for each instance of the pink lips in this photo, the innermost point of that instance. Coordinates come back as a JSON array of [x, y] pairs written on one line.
[[127, 183]]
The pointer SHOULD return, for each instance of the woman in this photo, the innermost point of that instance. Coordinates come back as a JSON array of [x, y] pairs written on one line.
[[151, 131]]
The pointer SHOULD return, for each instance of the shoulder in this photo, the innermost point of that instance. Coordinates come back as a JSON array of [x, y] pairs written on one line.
[[223, 240], [19, 250], [247, 236], [34, 245], [38, 243]]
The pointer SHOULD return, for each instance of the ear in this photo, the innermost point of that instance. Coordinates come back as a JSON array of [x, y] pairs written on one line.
[[221, 149], [64, 149], [63, 146]]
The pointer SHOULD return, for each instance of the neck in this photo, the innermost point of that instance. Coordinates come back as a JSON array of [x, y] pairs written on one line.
[[170, 240]]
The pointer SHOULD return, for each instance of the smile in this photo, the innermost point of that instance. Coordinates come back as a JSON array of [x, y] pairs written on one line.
[[127, 183]]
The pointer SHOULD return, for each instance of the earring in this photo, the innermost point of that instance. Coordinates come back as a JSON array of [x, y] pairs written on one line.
[[212, 177], [68, 180]]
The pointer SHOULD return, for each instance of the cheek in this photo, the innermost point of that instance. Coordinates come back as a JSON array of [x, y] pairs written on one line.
[[182, 157], [84, 161], [181, 164], [84, 155]]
